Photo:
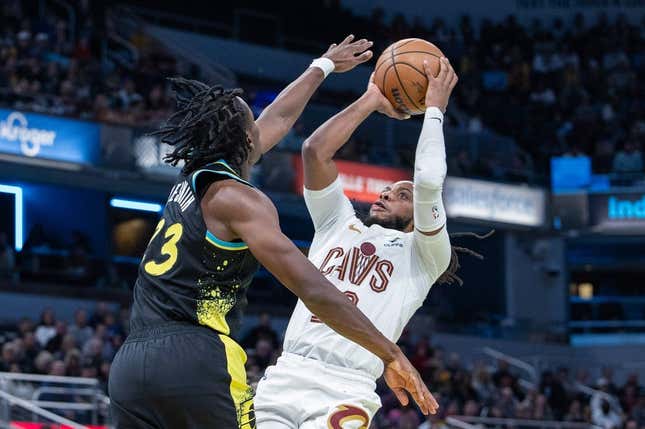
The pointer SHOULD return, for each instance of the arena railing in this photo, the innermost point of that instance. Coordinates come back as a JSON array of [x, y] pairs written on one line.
[[519, 423], [13, 408], [533, 372], [518, 363], [459, 424], [590, 364], [97, 403]]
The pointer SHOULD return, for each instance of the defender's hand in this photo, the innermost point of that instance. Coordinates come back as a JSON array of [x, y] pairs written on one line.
[[348, 54], [380, 103], [440, 87], [401, 376]]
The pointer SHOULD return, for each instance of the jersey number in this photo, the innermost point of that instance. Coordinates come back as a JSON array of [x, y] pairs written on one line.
[[169, 249], [353, 298]]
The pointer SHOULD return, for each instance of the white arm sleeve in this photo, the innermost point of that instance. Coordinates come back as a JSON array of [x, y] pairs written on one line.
[[329, 206], [429, 173], [430, 253]]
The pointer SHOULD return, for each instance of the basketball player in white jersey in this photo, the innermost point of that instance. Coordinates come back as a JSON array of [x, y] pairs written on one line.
[[385, 265]]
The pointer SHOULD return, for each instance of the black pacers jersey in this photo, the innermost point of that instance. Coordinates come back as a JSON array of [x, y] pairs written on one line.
[[187, 274]]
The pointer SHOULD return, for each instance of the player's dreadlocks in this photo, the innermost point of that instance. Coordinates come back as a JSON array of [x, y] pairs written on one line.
[[450, 275], [209, 125]]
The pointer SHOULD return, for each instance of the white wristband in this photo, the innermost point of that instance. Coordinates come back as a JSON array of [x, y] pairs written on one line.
[[325, 64]]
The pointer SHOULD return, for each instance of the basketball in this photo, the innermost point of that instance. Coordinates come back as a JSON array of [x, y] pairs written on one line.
[[399, 73]]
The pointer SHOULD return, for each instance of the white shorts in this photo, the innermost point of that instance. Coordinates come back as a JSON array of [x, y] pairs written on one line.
[[303, 393]]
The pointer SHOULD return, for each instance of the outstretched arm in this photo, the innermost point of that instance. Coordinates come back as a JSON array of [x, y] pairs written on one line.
[[431, 250], [430, 161], [319, 149], [278, 117], [251, 216]]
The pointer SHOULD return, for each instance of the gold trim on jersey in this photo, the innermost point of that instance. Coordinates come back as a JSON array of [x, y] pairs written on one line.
[[226, 245], [241, 392]]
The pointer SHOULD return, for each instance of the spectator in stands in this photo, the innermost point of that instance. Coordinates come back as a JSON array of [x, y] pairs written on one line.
[[89, 368], [73, 363], [506, 402], [629, 159], [503, 376], [628, 398], [42, 363], [98, 317], [56, 341], [471, 408], [46, 329], [9, 356], [553, 390], [422, 359], [575, 413], [92, 352], [409, 419], [638, 410], [57, 368], [263, 331], [7, 258], [632, 380], [482, 382], [606, 382], [631, 424], [80, 330], [542, 410], [264, 353], [31, 348], [605, 417]]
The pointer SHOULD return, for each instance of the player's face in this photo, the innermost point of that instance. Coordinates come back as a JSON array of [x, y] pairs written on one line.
[[252, 132], [394, 207]]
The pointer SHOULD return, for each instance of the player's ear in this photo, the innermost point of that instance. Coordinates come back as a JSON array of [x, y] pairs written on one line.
[[254, 153]]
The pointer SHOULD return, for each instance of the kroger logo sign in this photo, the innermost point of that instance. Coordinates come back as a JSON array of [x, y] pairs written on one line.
[[16, 129], [49, 137]]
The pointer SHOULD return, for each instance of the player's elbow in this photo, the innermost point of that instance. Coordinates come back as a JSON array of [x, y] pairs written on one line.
[[430, 177], [312, 150]]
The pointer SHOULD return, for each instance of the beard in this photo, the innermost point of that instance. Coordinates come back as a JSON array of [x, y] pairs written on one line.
[[394, 222]]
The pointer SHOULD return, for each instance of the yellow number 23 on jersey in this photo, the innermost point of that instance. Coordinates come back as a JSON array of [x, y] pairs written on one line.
[[169, 249]]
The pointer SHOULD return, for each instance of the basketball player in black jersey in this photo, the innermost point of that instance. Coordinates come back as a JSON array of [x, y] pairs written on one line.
[[179, 367]]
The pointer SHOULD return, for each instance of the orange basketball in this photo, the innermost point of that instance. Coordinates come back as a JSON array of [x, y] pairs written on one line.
[[399, 73]]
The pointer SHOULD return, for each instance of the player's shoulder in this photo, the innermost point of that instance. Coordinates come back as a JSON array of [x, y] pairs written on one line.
[[235, 197]]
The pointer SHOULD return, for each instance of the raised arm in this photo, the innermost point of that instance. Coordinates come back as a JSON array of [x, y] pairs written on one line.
[[319, 149], [430, 160], [252, 217], [278, 117], [431, 252]]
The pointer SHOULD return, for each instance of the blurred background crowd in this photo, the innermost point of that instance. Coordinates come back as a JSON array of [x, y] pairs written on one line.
[[557, 87], [85, 348]]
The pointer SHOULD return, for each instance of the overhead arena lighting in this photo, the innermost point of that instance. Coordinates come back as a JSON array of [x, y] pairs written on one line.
[[18, 213], [135, 205]]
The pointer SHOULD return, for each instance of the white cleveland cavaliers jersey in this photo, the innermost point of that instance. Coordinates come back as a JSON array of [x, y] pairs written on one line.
[[386, 273]]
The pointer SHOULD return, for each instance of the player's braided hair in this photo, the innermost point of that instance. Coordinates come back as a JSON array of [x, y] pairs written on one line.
[[450, 275], [209, 125]]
